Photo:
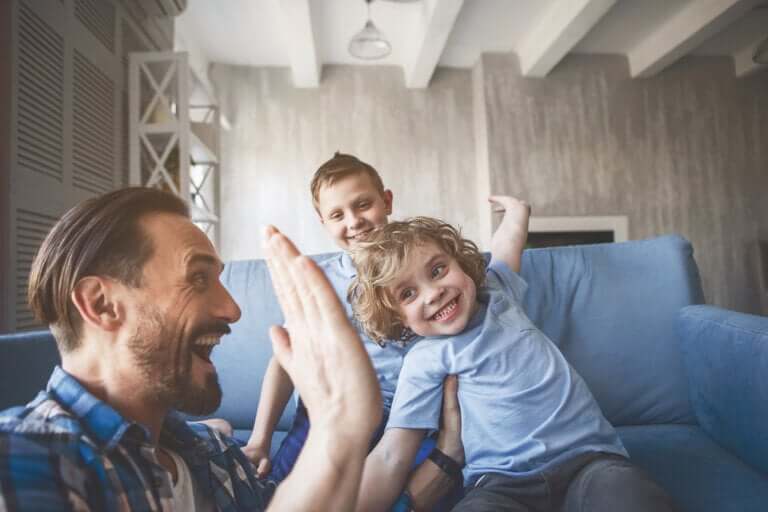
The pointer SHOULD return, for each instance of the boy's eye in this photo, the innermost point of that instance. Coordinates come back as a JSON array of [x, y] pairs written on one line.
[[438, 270], [335, 216]]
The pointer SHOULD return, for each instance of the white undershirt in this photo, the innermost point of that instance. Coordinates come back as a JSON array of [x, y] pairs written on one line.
[[184, 496]]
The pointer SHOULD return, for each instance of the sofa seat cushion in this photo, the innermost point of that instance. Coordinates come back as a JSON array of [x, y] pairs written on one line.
[[699, 474]]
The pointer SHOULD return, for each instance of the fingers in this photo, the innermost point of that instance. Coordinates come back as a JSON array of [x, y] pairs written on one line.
[[451, 398], [281, 346], [324, 303], [449, 436], [280, 253], [451, 391], [507, 201], [302, 289], [263, 468]]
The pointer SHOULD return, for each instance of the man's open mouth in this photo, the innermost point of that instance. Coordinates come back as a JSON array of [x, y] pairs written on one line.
[[446, 311], [203, 346]]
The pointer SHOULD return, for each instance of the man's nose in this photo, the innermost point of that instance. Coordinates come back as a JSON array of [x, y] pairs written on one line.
[[227, 310]]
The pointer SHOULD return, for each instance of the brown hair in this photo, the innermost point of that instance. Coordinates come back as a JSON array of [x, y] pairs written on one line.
[[100, 236], [380, 258], [339, 167]]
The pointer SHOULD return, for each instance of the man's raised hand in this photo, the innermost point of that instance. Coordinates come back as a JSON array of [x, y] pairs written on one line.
[[320, 349]]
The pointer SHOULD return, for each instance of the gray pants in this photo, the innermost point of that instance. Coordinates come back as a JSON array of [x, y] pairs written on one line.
[[593, 482]]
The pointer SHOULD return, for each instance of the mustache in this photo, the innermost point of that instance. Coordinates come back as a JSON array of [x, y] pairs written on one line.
[[216, 327]]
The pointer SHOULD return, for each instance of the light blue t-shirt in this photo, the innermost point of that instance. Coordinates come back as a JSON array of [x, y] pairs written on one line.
[[386, 360], [522, 405]]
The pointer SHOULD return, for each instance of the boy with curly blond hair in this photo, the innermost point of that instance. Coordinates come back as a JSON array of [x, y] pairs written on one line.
[[534, 436]]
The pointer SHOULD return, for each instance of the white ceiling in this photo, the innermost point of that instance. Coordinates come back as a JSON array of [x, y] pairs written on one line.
[[305, 34]]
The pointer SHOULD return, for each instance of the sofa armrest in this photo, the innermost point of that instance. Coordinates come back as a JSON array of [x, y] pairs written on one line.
[[726, 358]]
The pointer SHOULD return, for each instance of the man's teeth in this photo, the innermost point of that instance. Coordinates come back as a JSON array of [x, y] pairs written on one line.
[[447, 310], [209, 340]]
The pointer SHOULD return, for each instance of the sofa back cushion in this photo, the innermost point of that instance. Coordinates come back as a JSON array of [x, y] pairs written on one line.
[[610, 308], [242, 357], [26, 361]]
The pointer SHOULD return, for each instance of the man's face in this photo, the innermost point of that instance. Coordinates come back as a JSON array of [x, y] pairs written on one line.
[[351, 207], [435, 297], [179, 313]]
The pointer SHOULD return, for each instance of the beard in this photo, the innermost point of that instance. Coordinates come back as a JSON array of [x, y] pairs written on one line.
[[164, 357]]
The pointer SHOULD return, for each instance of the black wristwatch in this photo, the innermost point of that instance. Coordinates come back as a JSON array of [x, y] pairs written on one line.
[[449, 466]]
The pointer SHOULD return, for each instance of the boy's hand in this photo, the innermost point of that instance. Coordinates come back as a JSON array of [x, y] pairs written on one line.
[[509, 239], [259, 456], [323, 353]]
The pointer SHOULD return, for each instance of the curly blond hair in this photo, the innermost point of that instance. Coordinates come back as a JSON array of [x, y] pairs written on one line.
[[380, 258]]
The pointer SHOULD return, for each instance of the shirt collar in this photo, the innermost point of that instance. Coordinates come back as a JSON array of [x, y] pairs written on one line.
[[104, 424], [346, 266]]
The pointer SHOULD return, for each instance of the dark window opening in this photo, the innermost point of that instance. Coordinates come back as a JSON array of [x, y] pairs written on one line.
[[557, 238]]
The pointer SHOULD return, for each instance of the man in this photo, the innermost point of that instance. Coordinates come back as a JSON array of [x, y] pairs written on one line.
[[130, 289]]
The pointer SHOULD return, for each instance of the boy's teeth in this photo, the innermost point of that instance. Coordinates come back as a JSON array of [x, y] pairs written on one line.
[[446, 310]]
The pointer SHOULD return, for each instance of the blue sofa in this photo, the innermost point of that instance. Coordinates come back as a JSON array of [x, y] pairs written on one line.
[[685, 384]]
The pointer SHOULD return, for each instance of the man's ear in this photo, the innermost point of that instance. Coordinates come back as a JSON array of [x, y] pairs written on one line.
[[95, 300], [388, 197]]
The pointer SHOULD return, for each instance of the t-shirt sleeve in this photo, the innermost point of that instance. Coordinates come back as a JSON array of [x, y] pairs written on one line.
[[505, 280], [419, 395]]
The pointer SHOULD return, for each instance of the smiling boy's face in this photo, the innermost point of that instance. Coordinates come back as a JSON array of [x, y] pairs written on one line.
[[434, 296], [351, 207]]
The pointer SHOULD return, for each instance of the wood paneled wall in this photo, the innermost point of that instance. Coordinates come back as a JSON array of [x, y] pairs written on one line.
[[683, 152]]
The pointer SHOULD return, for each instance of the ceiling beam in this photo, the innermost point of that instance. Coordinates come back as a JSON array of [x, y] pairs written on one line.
[[565, 23], [684, 31], [438, 17], [300, 39]]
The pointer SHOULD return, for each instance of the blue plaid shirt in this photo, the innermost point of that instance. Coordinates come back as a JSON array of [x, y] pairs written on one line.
[[67, 450]]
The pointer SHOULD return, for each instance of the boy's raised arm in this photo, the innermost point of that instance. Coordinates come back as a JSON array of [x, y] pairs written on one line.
[[276, 390], [332, 372], [508, 241]]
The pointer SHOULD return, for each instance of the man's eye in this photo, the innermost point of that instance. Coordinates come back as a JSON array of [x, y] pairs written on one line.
[[336, 216], [200, 279], [438, 270], [363, 205]]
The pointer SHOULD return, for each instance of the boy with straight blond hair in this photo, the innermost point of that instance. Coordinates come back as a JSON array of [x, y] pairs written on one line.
[[535, 438], [351, 200]]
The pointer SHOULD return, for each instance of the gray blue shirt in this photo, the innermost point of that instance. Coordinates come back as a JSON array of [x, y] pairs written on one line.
[[522, 405], [386, 360]]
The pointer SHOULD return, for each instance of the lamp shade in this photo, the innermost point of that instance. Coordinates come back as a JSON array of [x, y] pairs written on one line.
[[369, 43]]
